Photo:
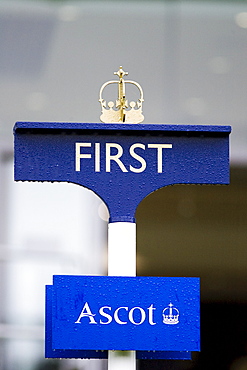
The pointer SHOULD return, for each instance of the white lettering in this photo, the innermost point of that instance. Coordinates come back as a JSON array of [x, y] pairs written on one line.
[[86, 312], [116, 157], [104, 314], [97, 157], [117, 319], [78, 154], [138, 158], [136, 315], [97, 152], [131, 315], [159, 148], [151, 309]]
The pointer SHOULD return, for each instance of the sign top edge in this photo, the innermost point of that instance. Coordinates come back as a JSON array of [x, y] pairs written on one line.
[[120, 127]]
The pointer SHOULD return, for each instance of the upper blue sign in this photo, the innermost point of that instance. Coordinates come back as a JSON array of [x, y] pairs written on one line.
[[122, 163], [125, 313]]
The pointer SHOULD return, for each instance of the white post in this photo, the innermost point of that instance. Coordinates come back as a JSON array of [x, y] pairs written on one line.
[[121, 262]]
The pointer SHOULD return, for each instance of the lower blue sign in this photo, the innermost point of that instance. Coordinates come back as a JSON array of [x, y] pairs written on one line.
[[99, 313]]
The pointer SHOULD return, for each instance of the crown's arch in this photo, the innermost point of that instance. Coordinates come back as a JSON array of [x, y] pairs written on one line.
[[121, 110]]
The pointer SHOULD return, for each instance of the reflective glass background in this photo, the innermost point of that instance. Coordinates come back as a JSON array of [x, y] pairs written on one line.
[[190, 59]]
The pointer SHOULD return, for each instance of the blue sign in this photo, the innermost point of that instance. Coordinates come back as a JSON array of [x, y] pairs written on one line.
[[124, 313], [122, 163], [102, 354]]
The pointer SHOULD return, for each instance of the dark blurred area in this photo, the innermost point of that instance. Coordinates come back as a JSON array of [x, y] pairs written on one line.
[[202, 233]]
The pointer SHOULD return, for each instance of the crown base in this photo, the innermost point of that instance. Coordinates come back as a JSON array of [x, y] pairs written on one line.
[[112, 116], [171, 320]]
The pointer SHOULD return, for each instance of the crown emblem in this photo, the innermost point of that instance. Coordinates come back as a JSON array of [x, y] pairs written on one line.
[[121, 110], [170, 315]]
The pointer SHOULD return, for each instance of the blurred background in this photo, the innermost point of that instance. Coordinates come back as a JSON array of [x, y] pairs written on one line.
[[190, 58]]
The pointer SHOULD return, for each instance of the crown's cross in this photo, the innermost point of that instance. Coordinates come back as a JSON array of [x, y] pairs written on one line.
[[170, 309], [121, 111], [121, 104]]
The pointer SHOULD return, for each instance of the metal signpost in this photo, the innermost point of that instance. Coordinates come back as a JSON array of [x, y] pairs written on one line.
[[122, 161]]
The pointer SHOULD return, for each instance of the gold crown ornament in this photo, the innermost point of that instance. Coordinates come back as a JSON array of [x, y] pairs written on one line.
[[121, 110]]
